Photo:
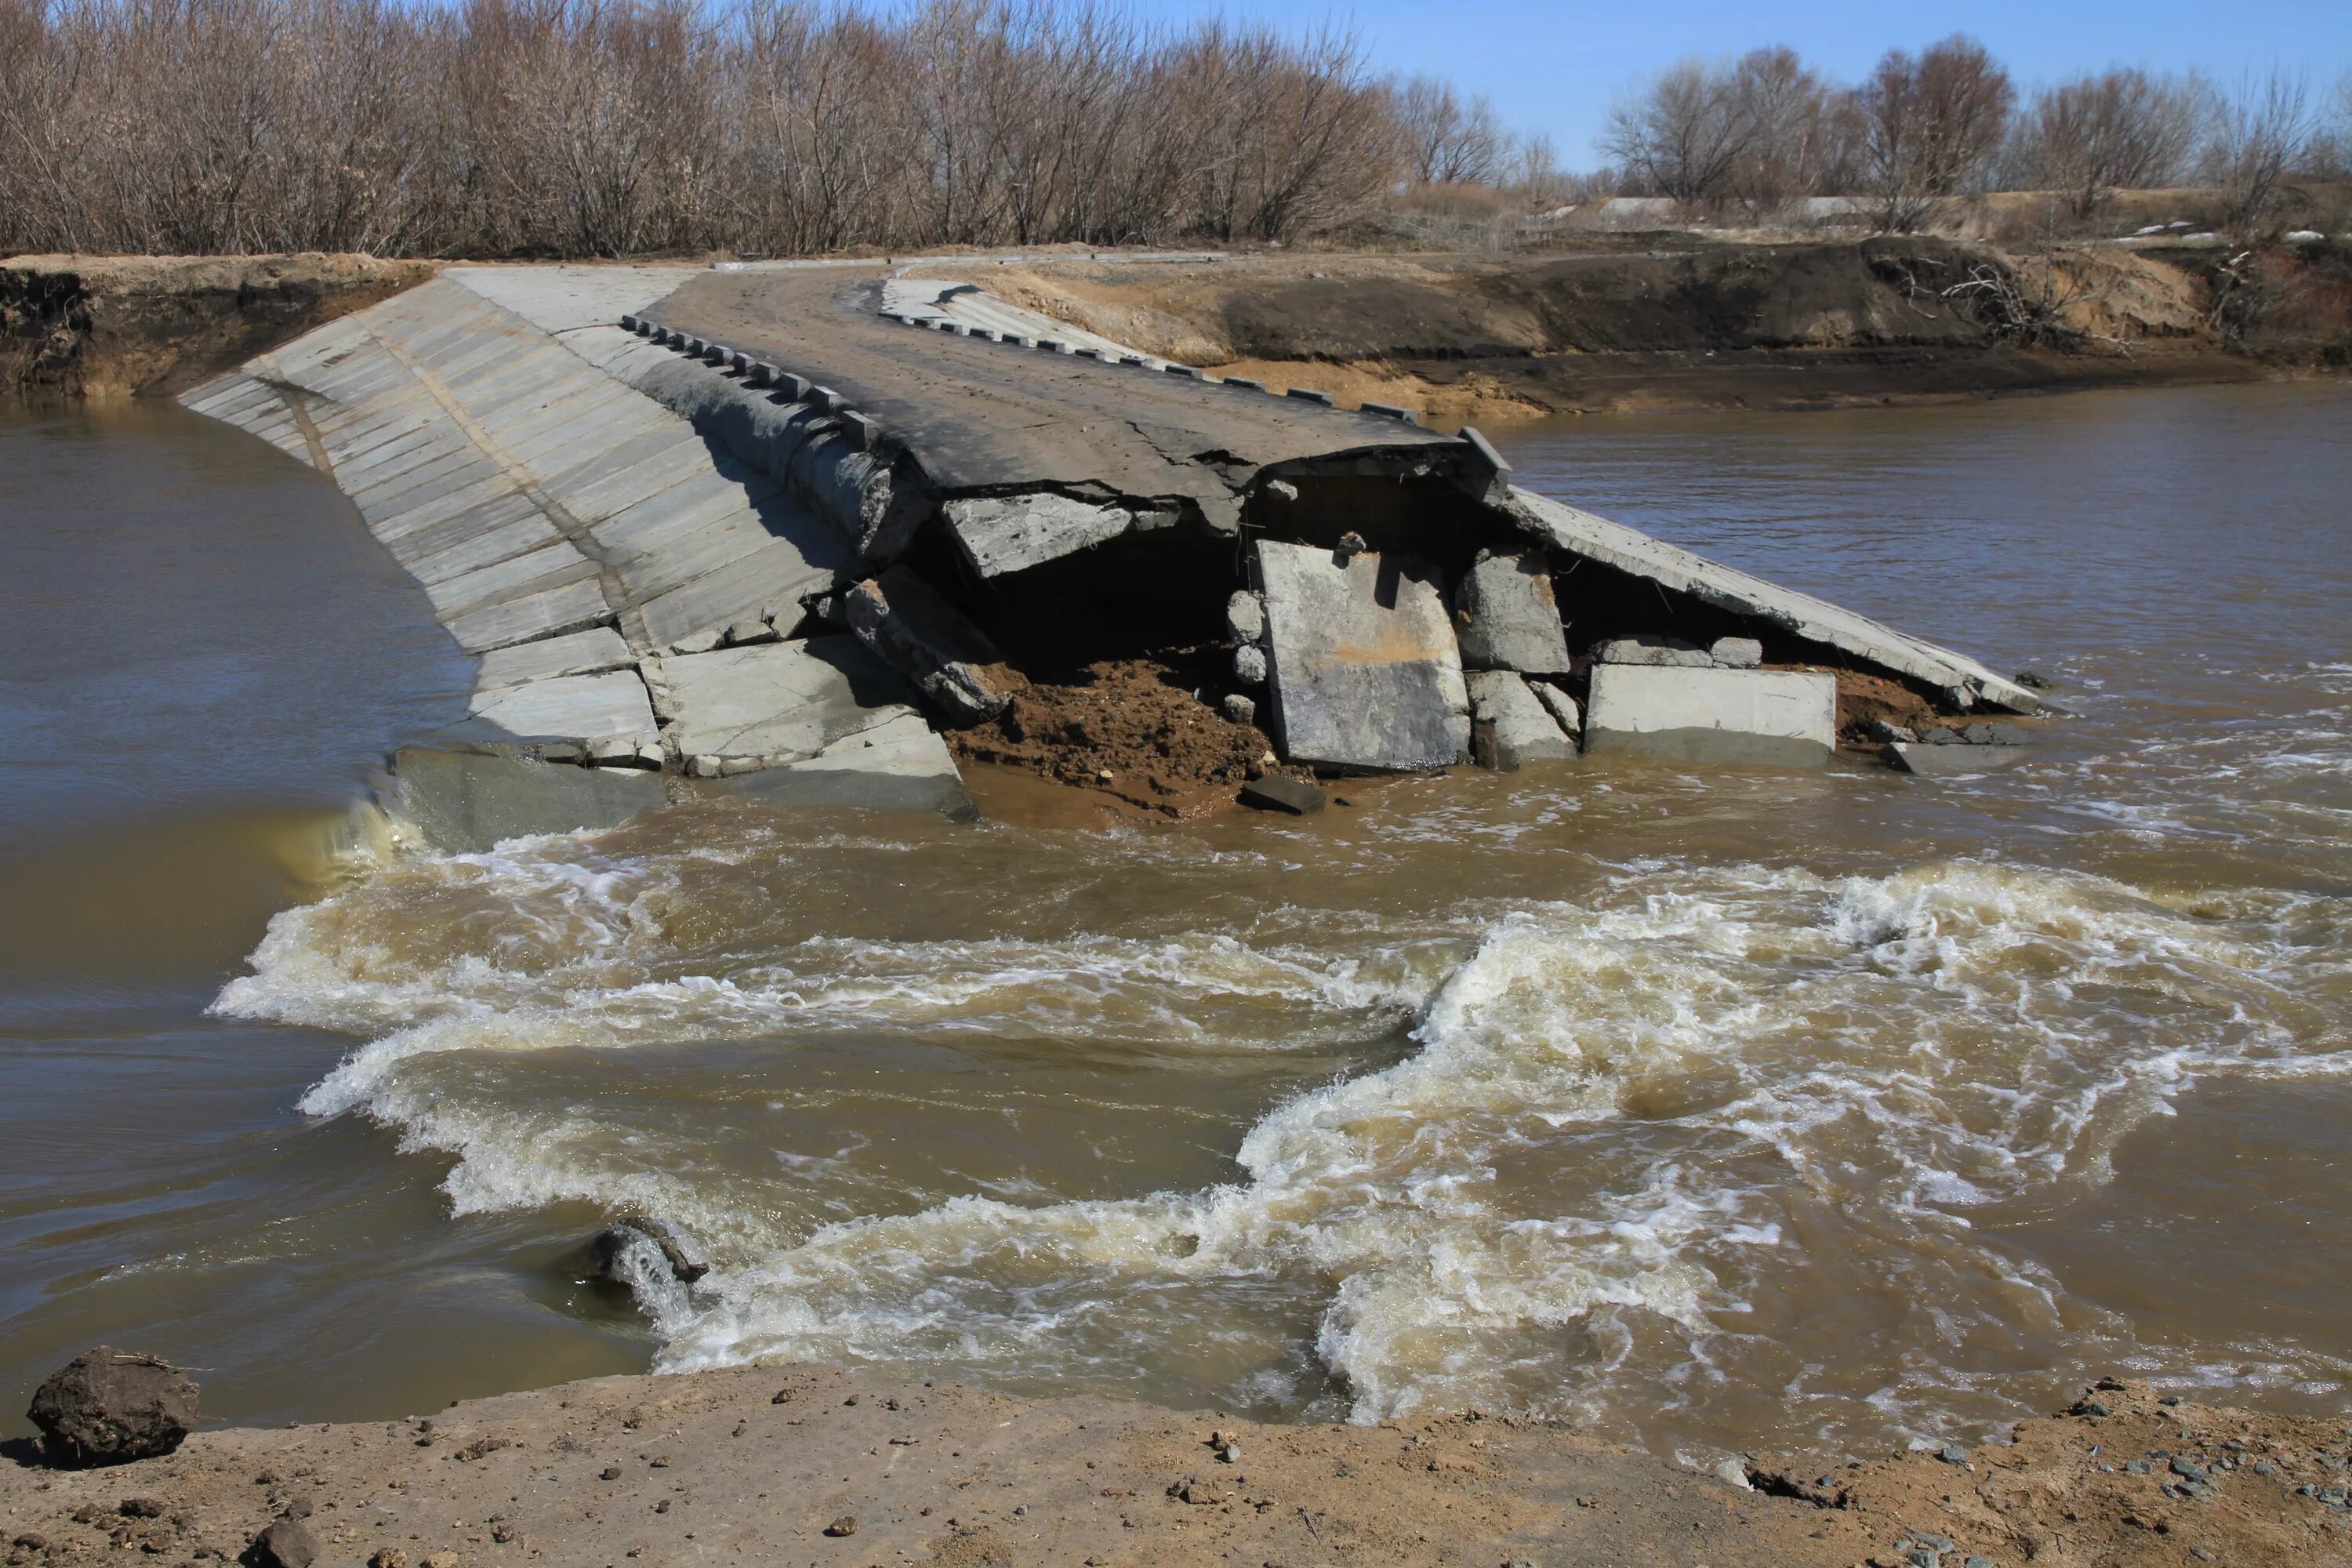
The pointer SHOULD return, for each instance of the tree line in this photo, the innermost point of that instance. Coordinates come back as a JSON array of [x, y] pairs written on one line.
[[554, 128], [1765, 128]]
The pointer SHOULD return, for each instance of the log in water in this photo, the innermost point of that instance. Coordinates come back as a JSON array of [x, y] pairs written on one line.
[[1712, 1107]]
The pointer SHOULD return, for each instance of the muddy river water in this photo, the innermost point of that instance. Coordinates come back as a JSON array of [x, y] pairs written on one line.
[[1707, 1107]]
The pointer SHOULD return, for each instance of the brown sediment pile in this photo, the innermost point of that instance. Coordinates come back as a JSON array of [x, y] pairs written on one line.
[[801, 1464], [103, 326], [1132, 728]]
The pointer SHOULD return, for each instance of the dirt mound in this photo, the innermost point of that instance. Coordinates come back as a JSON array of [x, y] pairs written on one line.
[[102, 326], [1132, 728]]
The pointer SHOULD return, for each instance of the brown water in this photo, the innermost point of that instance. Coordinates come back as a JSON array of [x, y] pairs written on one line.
[[1712, 1107]]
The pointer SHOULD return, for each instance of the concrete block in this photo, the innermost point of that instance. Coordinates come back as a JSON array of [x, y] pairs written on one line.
[[740, 361], [1391, 411], [1485, 473], [1304, 396], [1946, 761], [1002, 535], [1562, 705], [1510, 725], [865, 430], [1507, 616], [762, 374], [1649, 649], [560, 708], [1245, 382], [1779, 717], [918, 633], [1244, 616], [1363, 663], [786, 700], [1737, 653], [465, 801], [1277, 791]]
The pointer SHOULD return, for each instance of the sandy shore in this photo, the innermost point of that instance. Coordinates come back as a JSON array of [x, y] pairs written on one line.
[[817, 1466]]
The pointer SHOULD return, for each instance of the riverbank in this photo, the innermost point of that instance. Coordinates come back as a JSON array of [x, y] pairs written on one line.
[[1606, 323], [827, 1467]]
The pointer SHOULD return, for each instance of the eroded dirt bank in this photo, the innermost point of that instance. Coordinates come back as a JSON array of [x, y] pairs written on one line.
[[102, 326], [1660, 322], [820, 1465]]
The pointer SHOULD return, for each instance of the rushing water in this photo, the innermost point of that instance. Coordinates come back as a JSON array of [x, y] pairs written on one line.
[[1712, 1108]]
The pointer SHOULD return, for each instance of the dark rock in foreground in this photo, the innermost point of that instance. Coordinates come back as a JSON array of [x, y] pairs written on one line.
[[107, 1407]]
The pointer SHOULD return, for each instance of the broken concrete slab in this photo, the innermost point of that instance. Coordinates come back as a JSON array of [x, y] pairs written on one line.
[[1277, 791], [1506, 616], [1948, 762], [918, 633], [1510, 725], [560, 708], [1653, 649], [1364, 670], [1002, 535], [579, 653], [1963, 681], [1562, 705], [898, 764], [783, 701], [466, 801], [1775, 718]]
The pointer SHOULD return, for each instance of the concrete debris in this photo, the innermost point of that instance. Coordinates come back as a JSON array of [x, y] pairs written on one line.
[[746, 633], [1241, 709], [1883, 730], [1507, 616], [779, 702], [1737, 653], [1780, 718], [1943, 761], [1364, 670], [1561, 705], [1244, 617], [1249, 665], [1649, 649], [616, 1251], [465, 800], [1277, 791], [1510, 725], [1002, 535], [918, 633], [1571, 531], [898, 764]]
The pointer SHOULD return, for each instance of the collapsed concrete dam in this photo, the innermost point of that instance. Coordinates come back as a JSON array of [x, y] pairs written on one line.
[[776, 530]]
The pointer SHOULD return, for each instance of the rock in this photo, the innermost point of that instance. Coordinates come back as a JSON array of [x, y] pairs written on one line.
[[1351, 543], [1249, 665], [141, 1507], [107, 1407], [1737, 653], [846, 1525], [1506, 616], [289, 1544], [1277, 793], [609, 1249], [1510, 725], [918, 633], [748, 633], [1953, 1454], [1775, 718], [439, 1559], [1930, 761], [2034, 681], [704, 766], [1241, 709], [1647, 648], [1244, 616], [609, 1473], [2190, 1469], [1361, 660], [1881, 731]]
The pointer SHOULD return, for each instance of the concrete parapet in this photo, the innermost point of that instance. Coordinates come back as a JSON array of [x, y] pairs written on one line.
[[1304, 394], [1765, 717]]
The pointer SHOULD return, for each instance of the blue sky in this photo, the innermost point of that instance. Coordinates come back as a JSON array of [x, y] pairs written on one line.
[[1554, 68]]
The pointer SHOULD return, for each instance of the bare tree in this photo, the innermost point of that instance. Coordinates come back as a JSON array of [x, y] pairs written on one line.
[[1449, 141], [1683, 136], [2261, 128], [2121, 130], [1927, 127]]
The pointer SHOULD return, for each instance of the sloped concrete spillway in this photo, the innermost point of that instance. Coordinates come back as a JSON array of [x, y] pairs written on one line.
[[761, 531]]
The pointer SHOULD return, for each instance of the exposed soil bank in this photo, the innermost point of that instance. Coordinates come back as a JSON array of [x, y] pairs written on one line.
[[821, 1466], [92, 326], [1682, 324]]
